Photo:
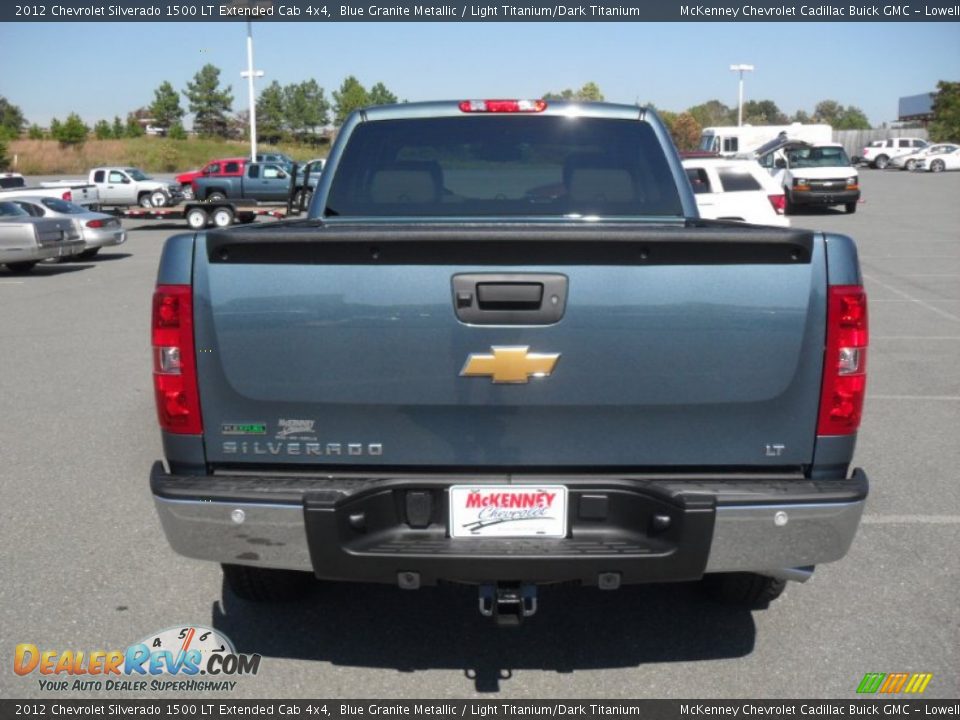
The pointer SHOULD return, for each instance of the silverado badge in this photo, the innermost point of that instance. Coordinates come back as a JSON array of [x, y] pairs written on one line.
[[510, 364]]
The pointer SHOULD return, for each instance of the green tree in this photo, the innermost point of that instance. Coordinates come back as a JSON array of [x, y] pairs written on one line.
[[852, 118], [590, 92], [102, 130], [946, 112], [305, 108], [118, 129], [55, 126], [133, 129], [801, 117], [685, 131], [165, 108], [763, 112], [713, 113], [73, 131], [4, 160], [827, 111], [380, 95], [351, 96], [176, 131], [271, 115], [11, 120], [35, 132], [209, 104]]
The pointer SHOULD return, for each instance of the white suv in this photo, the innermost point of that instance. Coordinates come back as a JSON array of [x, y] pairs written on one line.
[[879, 152], [733, 189]]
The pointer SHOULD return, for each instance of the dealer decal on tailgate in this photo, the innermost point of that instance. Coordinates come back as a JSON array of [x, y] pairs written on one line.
[[508, 511]]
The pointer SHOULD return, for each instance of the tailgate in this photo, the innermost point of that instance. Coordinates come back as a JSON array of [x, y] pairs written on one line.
[[677, 346]]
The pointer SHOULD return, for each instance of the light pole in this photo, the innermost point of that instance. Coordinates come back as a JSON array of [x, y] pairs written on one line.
[[250, 74], [741, 69]]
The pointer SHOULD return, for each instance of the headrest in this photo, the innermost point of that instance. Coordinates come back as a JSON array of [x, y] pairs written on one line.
[[409, 181]]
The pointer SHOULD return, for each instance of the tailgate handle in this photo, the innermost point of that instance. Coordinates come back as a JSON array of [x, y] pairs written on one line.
[[509, 298]]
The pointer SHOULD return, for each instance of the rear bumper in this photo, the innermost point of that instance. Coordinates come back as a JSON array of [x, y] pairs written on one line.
[[357, 528]]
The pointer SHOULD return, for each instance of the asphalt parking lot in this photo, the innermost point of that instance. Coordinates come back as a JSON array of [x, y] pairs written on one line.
[[85, 564]]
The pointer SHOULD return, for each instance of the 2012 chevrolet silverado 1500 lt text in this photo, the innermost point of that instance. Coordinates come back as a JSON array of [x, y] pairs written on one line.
[[503, 350]]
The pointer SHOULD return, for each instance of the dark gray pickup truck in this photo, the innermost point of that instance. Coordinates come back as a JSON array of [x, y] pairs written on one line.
[[262, 182], [503, 350]]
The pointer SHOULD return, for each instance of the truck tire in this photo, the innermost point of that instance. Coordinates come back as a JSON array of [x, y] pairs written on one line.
[[144, 200], [850, 207], [266, 584], [158, 199], [742, 588], [89, 254], [197, 218], [222, 217], [881, 162], [216, 196], [21, 267]]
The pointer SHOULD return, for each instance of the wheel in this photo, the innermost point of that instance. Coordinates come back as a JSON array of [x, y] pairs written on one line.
[[158, 198], [21, 267], [742, 588], [266, 584], [88, 254], [197, 218], [909, 164], [187, 191], [881, 162], [145, 201], [850, 207], [223, 217], [216, 196], [937, 166]]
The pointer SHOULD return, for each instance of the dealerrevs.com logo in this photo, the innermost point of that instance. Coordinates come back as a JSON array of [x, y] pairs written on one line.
[[188, 658]]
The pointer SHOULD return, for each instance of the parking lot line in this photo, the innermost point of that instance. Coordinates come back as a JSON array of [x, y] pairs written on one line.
[[908, 296]]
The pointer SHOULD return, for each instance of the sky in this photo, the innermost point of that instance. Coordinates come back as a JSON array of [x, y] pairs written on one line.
[[100, 70]]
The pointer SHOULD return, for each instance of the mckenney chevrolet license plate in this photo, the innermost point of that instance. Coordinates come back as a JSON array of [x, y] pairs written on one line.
[[508, 511]]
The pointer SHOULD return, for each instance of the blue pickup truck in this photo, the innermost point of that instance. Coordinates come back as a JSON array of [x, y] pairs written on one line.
[[261, 182], [503, 350]]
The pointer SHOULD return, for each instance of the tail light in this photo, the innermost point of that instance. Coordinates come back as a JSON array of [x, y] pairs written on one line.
[[174, 360], [779, 203], [68, 196], [845, 361], [502, 106], [94, 223]]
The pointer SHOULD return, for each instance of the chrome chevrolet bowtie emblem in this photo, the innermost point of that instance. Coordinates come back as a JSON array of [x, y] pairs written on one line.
[[510, 364]]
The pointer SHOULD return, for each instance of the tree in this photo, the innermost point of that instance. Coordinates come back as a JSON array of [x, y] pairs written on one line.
[[55, 126], [590, 92], [102, 130], [801, 117], [852, 118], [4, 160], [713, 113], [685, 131], [118, 129], [763, 112], [379, 95], [176, 131], [133, 129], [209, 104], [73, 131], [946, 112], [270, 113], [305, 108], [35, 132], [11, 120], [351, 96], [827, 111], [165, 108]]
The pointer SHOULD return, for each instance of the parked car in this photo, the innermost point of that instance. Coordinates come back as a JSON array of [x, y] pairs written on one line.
[[97, 229], [811, 174], [734, 189], [26, 240], [879, 152], [121, 186], [940, 161], [225, 167], [908, 162], [277, 158], [263, 182]]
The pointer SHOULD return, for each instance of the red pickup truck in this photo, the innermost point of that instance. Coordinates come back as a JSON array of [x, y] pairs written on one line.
[[224, 167]]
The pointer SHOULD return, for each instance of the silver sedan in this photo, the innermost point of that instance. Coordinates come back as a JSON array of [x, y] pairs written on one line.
[[98, 230]]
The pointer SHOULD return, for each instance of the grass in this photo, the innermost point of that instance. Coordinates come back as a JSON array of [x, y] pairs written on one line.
[[153, 154]]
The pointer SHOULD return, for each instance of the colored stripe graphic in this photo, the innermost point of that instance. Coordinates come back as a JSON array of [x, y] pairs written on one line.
[[871, 682], [893, 683]]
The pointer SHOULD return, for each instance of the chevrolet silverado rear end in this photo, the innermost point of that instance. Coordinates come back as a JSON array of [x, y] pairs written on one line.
[[504, 351]]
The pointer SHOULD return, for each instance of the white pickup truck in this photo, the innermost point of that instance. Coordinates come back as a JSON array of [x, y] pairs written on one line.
[[14, 185], [120, 186]]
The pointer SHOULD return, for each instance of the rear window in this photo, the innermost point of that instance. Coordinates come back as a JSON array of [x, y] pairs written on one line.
[[62, 206], [12, 182], [737, 179], [699, 180], [503, 166], [232, 167]]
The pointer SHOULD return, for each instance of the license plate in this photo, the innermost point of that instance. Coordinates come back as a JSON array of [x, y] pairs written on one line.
[[508, 511]]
